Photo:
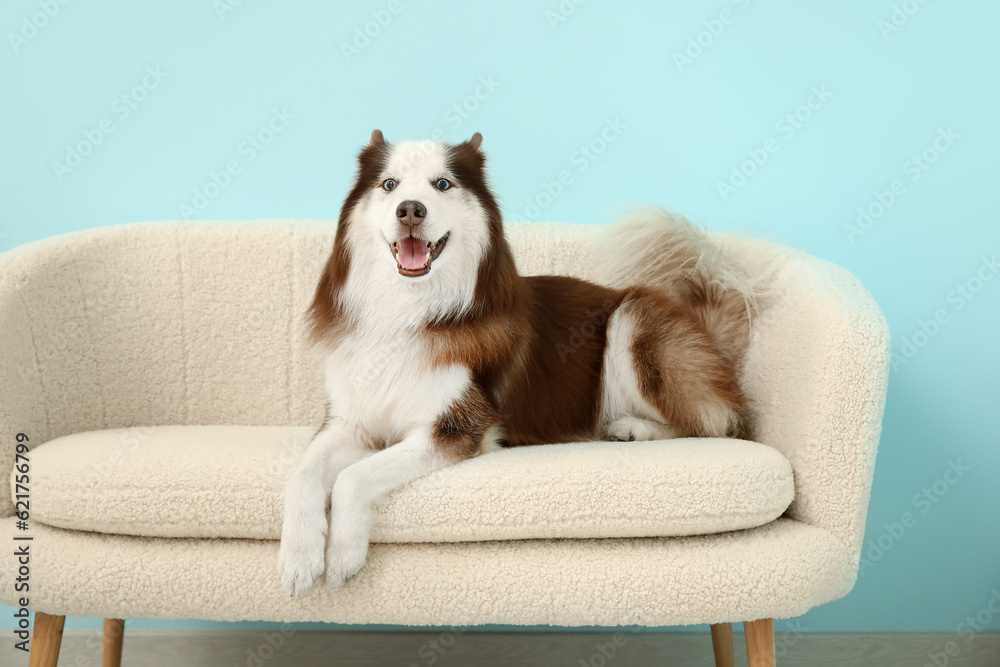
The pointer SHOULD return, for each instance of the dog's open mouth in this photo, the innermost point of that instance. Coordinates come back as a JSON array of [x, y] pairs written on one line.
[[414, 255]]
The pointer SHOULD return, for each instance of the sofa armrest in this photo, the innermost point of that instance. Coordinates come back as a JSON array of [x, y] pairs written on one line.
[[22, 397], [816, 374]]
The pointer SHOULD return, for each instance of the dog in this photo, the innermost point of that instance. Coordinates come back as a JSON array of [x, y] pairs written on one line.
[[435, 349]]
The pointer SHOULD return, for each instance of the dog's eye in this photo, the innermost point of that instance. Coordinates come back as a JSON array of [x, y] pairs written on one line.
[[388, 184], [443, 184]]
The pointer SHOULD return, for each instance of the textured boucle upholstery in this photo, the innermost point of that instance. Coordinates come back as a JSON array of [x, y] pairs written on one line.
[[200, 324], [146, 481], [778, 570]]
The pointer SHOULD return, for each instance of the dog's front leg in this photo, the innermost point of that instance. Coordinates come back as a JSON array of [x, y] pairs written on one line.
[[303, 531], [361, 484]]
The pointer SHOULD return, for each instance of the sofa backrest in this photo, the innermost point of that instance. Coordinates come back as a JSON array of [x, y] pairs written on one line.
[[201, 323]]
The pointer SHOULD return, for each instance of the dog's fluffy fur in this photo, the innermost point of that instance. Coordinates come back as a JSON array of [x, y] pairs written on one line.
[[437, 350]]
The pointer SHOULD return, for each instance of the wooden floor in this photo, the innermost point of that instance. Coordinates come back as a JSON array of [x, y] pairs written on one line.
[[250, 648]]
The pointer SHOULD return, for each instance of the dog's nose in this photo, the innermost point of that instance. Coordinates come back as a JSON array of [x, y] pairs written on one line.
[[411, 213]]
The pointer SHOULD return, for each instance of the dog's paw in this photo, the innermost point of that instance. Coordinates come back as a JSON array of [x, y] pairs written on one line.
[[300, 564], [629, 429], [344, 558]]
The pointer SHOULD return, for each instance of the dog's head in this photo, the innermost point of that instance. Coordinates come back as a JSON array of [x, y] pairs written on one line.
[[419, 241], [420, 220], [423, 208]]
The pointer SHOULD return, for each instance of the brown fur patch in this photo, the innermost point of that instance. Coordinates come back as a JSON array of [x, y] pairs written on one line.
[[458, 433], [534, 344], [325, 315], [555, 394], [723, 315], [497, 284], [680, 370], [540, 362]]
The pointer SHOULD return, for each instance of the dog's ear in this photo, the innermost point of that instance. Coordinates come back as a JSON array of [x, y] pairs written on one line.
[[376, 139], [476, 141]]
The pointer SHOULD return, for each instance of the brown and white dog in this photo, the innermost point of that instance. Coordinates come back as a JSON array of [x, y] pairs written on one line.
[[437, 350]]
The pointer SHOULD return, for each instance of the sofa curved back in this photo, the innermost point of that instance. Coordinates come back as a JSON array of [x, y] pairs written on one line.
[[202, 323]]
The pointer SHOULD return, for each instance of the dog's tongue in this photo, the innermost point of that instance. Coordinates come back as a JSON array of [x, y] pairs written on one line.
[[413, 253]]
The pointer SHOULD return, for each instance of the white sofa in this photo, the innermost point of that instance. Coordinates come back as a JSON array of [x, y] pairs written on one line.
[[160, 374]]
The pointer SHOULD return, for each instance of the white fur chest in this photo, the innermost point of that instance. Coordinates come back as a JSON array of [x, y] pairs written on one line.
[[379, 379]]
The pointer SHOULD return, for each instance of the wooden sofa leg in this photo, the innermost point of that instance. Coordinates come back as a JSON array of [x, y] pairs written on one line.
[[46, 639], [114, 633], [760, 642], [722, 644]]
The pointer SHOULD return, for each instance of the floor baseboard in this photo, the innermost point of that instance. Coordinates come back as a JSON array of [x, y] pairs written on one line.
[[273, 648]]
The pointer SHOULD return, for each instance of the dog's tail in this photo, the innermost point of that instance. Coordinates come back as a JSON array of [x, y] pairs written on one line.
[[654, 247]]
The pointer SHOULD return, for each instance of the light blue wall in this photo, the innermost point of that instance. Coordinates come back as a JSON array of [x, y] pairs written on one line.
[[552, 87]]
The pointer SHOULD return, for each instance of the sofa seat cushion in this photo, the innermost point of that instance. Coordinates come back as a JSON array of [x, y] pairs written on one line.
[[227, 482]]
